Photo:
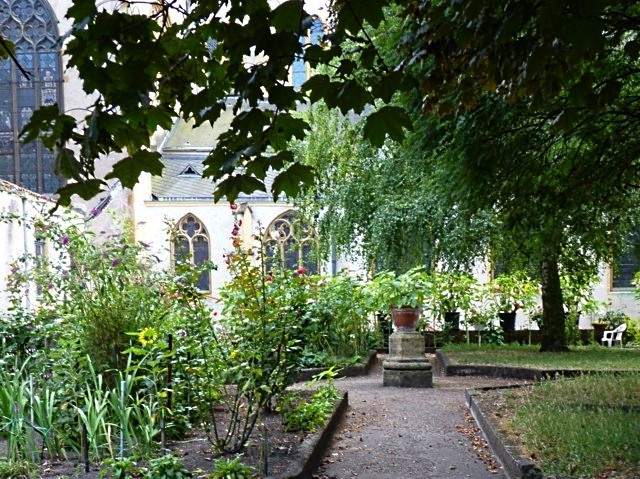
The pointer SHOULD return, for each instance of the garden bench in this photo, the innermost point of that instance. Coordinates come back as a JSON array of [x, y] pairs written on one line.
[[614, 336]]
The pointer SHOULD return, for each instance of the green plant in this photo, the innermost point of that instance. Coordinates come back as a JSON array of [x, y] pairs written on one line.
[[612, 319], [482, 309], [449, 292], [264, 315], [232, 469], [337, 327], [389, 289], [167, 467], [307, 415], [577, 294], [20, 469], [14, 413], [120, 469], [513, 291]]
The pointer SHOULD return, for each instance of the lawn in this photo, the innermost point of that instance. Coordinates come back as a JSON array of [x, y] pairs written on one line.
[[587, 426], [588, 358]]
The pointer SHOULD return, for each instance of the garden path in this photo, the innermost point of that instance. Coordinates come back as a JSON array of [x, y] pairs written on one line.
[[409, 433]]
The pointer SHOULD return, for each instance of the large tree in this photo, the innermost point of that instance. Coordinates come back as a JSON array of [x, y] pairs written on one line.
[[546, 94]]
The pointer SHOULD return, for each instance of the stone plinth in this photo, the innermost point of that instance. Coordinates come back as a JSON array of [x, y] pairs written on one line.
[[407, 366]]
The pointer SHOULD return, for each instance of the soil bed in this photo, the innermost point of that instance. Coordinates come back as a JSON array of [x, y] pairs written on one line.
[[197, 455]]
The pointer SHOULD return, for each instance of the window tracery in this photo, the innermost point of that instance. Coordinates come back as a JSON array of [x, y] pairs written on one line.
[[31, 26], [291, 240], [191, 244]]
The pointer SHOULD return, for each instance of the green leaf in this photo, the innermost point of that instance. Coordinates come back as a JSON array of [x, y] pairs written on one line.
[[85, 190], [129, 169], [82, 10], [292, 180], [388, 120], [286, 16], [233, 185], [6, 48], [67, 164], [352, 96]]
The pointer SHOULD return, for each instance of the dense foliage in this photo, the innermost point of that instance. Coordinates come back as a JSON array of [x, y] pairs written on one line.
[[133, 354]]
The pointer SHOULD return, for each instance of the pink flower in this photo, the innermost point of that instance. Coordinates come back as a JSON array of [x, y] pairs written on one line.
[[301, 271], [64, 240], [233, 206]]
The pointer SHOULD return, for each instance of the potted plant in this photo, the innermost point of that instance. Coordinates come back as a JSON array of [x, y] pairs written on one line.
[[449, 293], [482, 310], [403, 295], [512, 292]]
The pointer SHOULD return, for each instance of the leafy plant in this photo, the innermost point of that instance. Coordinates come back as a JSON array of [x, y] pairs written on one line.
[[14, 414], [20, 469], [264, 315], [513, 291], [389, 289], [120, 469], [232, 469], [167, 467], [612, 319], [450, 292], [301, 414], [337, 329]]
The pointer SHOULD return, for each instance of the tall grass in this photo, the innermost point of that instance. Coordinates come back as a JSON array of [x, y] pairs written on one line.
[[586, 426]]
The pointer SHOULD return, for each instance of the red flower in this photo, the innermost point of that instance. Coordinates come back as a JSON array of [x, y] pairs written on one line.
[[301, 271], [233, 206]]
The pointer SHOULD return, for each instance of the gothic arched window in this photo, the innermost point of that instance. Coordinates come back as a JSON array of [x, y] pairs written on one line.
[[31, 26], [191, 245], [291, 240]]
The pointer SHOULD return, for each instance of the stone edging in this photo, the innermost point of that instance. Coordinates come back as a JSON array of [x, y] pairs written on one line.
[[503, 371], [514, 465], [350, 371], [313, 448]]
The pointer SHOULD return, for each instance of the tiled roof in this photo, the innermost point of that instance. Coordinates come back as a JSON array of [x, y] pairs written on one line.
[[183, 151]]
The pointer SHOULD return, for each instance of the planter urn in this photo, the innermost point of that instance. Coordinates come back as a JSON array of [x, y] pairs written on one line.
[[407, 364], [405, 319]]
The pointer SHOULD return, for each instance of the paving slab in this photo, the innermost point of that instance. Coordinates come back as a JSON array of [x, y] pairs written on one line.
[[409, 433]]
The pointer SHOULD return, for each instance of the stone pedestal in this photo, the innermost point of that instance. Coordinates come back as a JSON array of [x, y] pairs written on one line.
[[407, 366]]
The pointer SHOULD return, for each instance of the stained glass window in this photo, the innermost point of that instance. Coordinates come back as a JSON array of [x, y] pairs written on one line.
[[191, 245], [290, 240], [31, 26]]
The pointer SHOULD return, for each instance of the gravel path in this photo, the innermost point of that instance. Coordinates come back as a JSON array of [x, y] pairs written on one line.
[[407, 433]]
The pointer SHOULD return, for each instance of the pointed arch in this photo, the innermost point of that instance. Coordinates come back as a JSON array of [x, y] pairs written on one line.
[[291, 240], [191, 244], [32, 27]]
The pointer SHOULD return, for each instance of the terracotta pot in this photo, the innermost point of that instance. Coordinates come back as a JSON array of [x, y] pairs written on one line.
[[405, 320]]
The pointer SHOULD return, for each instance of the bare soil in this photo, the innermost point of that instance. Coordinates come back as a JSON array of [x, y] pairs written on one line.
[[198, 456]]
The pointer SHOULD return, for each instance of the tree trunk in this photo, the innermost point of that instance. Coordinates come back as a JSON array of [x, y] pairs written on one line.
[[554, 336]]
